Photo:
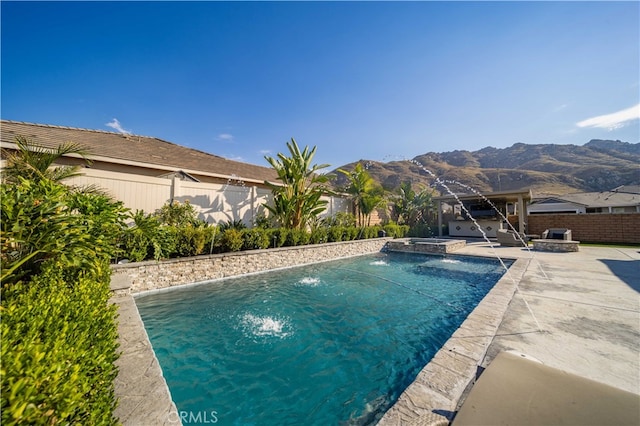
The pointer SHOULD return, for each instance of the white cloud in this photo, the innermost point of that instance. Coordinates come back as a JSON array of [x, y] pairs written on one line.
[[228, 137], [234, 158], [265, 151], [614, 120], [115, 124]]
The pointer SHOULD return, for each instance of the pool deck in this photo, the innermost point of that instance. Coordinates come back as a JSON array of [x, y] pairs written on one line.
[[583, 316], [578, 312]]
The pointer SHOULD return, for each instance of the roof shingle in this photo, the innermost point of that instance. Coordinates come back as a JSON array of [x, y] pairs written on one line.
[[140, 149]]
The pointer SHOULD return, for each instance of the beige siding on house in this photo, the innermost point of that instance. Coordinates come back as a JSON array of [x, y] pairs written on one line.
[[136, 192], [214, 202], [221, 203]]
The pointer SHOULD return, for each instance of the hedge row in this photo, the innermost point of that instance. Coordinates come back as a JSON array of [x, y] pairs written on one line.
[[58, 343], [58, 351], [174, 241]]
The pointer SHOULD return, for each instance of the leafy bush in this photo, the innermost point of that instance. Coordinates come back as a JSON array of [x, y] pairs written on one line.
[[45, 222], [232, 224], [256, 238], [147, 239], [279, 236], [178, 214], [212, 240], [422, 230], [232, 240], [293, 238], [303, 237], [351, 233], [262, 221], [371, 232], [396, 231], [58, 342], [58, 350], [318, 235], [189, 240], [335, 233]]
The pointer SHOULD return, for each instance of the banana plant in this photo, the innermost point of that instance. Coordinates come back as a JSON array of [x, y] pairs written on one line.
[[298, 199]]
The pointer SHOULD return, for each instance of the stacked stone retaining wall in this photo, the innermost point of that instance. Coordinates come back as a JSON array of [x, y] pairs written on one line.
[[152, 275]]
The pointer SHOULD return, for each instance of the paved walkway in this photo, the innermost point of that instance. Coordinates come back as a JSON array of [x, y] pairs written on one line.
[[587, 305]]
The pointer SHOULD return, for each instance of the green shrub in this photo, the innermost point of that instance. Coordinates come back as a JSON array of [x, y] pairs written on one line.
[[263, 222], [58, 350], [212, 240], [318, 235], [304, 237], [279, 236], [147, 239], [371, 232], [232, 224], [422, 230], [189, 240], [178, 214], [396, 231], [340, 219], [256, 238], [58, 342], [45, 222], [293, 238], [335, 233], [351, 233], [232, 240]]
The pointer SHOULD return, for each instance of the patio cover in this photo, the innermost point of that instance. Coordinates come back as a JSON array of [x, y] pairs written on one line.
[[522, 198]]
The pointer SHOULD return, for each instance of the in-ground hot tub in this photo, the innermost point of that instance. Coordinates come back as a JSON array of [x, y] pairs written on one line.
[[425, 245]]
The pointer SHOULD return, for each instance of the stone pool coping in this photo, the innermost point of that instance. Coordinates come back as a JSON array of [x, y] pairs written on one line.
[[142, 392]]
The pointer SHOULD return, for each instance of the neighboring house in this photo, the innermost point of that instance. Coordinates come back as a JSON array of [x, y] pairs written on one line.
[[146, 172], [623, 199]]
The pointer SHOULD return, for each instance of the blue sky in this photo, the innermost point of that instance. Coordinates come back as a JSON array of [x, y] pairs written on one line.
[[358, 80]]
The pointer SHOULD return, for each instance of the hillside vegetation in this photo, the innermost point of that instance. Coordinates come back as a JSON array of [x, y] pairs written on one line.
[[599, 165]]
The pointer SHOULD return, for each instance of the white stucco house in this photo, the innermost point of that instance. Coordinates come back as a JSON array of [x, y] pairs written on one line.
[[623, 199]]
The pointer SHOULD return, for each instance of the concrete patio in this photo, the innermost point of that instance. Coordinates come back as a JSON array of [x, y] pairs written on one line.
[[587, 304]]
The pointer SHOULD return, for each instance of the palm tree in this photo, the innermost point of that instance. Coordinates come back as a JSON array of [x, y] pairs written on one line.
[[410, 207], [36, 162], [298, 200], [366, 194]]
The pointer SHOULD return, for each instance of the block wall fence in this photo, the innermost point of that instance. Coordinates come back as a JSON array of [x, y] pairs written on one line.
[[591, 228]]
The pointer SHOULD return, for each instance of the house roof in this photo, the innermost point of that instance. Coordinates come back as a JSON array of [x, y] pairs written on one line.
[[510, 196], [630, 189], [597, 199], [137, 150]]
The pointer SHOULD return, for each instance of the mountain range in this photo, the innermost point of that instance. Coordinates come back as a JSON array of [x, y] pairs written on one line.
[[547, 169]]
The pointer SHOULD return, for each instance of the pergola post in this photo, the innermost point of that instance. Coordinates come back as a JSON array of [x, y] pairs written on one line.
[[439, 218]]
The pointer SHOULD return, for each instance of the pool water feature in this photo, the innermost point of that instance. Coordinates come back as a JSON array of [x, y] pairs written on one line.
[[330, 343]]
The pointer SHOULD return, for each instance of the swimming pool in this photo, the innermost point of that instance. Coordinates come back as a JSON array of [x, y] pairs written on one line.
[[330, 343]]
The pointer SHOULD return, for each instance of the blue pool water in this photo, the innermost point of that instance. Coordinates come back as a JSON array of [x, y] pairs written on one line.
[[327, 344]]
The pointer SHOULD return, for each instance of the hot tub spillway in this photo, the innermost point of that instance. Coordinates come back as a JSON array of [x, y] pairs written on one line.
[[425, 245]]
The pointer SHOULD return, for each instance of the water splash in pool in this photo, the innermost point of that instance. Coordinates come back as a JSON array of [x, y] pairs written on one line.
[[257, 326], [379, 263], [309, 281]]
